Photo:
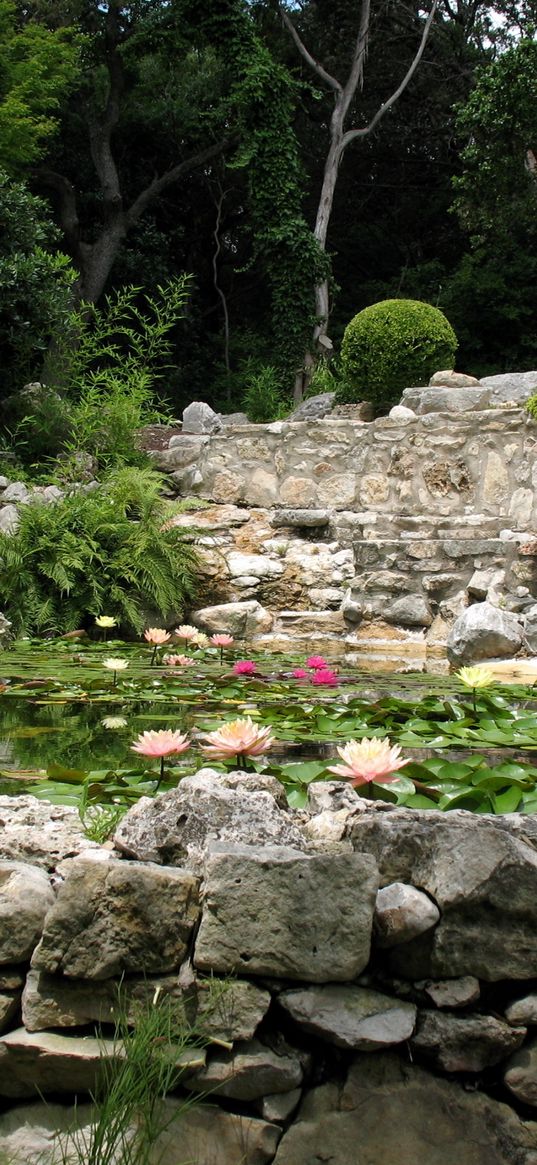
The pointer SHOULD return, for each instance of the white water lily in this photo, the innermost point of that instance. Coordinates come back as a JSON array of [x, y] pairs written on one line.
[[114, 722]]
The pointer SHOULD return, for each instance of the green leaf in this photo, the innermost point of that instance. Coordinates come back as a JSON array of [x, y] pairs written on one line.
[[507, 802]]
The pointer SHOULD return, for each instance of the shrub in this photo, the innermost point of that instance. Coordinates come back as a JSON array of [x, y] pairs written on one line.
[[263, 399], [531, 406], [390, 346], [94, 552]]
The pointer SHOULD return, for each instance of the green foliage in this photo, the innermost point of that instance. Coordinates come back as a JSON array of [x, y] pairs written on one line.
[[498, 188], [262, 104], [94, 552], [531, 406], [264, 399], [390, 346], [35, 285], [101, 378], [129, 1110], [39, 66]]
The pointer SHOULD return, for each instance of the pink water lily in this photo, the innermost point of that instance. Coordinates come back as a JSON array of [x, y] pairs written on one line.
[[245, 667], [157, 636], [178, 660], [221, 640], [325, 675], [315, 662], [238, 738], [299, 673], [160, 743], [369, 760], [186, 632]]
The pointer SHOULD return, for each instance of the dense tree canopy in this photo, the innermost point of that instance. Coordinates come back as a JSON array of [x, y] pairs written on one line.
[[172, 137]]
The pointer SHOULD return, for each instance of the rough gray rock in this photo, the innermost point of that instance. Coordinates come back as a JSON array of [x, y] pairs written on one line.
[[409, 611], [446, 400], [248, 1072], [199, 417], [452, 992], [522, 1011], [521, 1074], [510, 386], [392, 1111], [468, 1043], [243, 620], [41, 834], [231, 420], [319, 911], [9, 519], [279, 1106], [350, 1017], [483, 878], [25, 897], [175, 828], [16, 492], [300, 518], [230, 1010], [401, 413], [451, 379], [118, 917], [314, 407], [483, 632], [401, 914]]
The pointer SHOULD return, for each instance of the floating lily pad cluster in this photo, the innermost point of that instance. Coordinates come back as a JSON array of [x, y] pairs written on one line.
[[69, 722]]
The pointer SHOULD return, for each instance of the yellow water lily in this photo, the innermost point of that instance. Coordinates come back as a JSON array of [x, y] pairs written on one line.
[[105, 621], [476, 677]]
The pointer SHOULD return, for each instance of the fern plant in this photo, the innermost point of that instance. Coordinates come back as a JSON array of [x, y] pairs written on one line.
[[107, 550]]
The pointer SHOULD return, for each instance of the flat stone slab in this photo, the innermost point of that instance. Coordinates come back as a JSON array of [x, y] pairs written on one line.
[[351, 1017], [48, 1062], [274, 911], [118, 917], [249, 1072]]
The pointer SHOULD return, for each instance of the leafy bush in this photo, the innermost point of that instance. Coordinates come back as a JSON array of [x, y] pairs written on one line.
[[94, 552], [531, 406], [264, 399], [390, 346], [101, 379]]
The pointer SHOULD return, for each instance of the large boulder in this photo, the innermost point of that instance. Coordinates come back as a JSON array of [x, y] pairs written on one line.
[[199, 417], [392, 1111], [446, 400], [117, 918], [483, 632], [243, 620], [483, 878], [176, 828], [510, 386], [275, 911], [314, 407]]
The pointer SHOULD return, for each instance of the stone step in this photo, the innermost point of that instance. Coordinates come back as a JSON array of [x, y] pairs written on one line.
[[372, 526]]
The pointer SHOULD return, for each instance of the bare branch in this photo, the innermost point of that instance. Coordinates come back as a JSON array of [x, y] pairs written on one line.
[[332, 82], [351, 134], [356, 76], [159, 184]]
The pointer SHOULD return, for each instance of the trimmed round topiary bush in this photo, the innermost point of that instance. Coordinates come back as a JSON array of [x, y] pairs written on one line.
[[390, 346]]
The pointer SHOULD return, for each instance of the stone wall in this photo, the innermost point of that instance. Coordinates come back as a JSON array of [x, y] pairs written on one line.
[[364, 976], [375, 536]]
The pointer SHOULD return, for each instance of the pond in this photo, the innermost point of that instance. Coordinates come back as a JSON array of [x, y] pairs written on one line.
[[69, 718]]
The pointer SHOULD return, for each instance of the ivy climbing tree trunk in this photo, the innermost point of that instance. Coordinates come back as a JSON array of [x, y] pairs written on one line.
[[344, 94]]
